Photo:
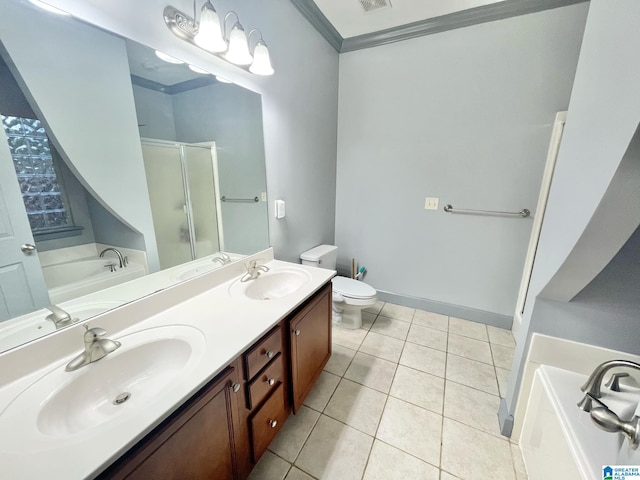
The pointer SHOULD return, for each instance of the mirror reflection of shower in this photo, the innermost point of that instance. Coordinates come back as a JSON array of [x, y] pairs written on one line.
[[183, 181]]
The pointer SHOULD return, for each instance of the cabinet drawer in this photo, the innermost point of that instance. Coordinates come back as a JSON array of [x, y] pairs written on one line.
[[265, 382], [268, 421], [262, 353]]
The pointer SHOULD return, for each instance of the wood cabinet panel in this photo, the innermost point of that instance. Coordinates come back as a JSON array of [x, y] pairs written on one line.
[[262, 353], [265, 382], [268, 421], [310, 338]]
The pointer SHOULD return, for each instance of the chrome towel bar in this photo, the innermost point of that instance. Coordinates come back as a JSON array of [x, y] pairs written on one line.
[[525, 212], [240, 200]]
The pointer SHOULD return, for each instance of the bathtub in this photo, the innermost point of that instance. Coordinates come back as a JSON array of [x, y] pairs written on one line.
[[69, 280], [560, 441]]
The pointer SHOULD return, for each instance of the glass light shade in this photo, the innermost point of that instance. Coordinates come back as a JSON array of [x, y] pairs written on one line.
[[49, 8], [209, 34], [168, 58], [193, 68], [238, 52], [222, 79], [261, 61]]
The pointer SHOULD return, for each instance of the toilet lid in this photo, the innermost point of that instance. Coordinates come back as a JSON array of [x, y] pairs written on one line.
[[352, 288]]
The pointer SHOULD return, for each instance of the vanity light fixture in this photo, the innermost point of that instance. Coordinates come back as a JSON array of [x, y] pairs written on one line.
[[211, 35], [49, 8], [193, 68], [222, 79]]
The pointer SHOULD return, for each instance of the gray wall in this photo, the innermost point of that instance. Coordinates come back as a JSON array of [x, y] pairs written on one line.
[[594, 199], [466, 116], [299, 103], [155, 114]]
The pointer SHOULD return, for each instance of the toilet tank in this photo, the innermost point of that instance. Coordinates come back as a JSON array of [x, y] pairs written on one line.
[[322, 256]]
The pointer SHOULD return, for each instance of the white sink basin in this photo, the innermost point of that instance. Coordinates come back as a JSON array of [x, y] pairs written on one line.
[[274, 284], [68, 403]]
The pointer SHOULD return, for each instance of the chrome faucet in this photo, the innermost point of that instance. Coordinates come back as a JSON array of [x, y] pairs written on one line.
[[222, 258], [122, 258], [95, 348], [254, 269], [593, 385], [59, 317]]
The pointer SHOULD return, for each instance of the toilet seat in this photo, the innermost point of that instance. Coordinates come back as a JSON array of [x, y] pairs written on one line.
[[353, 292]]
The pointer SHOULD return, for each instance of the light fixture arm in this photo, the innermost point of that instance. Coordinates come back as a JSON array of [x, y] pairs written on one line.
[[249, 38], [224, 24]]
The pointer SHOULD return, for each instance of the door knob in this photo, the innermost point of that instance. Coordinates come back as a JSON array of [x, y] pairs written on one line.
[[28, 248]]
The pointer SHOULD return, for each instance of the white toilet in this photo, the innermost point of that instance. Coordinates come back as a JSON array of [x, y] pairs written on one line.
[[350, 296]]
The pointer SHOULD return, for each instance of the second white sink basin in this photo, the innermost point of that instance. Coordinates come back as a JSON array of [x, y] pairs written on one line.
[[274, 284], [113, 388]]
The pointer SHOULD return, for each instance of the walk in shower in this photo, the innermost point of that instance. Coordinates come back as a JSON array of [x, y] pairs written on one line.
[[183, 184]]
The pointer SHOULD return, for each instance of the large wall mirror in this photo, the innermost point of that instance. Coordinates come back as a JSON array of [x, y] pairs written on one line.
[[107, 147]]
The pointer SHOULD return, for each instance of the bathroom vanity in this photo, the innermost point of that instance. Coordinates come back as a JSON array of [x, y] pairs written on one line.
[[246, 365]]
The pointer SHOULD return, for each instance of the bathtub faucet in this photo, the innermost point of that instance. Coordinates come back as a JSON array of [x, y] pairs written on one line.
[[222, 258], [123, 259], [59, 317], [593, 385]]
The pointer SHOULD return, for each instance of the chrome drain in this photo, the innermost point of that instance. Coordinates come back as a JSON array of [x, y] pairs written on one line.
[[123, 397]]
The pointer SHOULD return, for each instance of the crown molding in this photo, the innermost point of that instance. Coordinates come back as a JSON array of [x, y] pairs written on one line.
[[464, 18]]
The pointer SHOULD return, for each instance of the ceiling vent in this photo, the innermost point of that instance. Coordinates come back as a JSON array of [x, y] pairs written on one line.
[[373, 5]]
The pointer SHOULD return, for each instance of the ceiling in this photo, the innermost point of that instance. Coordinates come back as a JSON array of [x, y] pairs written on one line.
[[355, 24]]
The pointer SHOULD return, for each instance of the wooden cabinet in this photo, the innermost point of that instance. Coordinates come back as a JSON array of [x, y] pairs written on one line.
[[223, 430], [196, 442], [310, 344]]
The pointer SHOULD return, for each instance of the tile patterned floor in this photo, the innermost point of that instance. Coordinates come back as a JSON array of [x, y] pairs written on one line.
[[412, 395]]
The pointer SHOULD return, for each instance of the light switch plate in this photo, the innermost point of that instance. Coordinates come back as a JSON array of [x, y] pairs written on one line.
[[264, 196], [431, 203]]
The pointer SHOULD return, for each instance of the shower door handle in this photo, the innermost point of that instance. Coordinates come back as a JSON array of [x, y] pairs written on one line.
[[28, 248]]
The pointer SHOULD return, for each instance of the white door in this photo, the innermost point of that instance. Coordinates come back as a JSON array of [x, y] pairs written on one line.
[[552, 154], [22, 287]]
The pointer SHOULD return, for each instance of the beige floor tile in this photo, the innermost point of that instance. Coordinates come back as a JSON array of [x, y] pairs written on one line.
[[471, 454], [398, 312], [471, 373], [375, 308], [335, 450], [348, 338], [427, 337], [297, 474], [503, 380], [356, 405], [424, 359], [322, 390], [518, 463], [382, 346], [446, 476], [340, 359], [469, 348], [391, 327], [294, 433], [467, 328], [387, 462], [431, 320], [368, 319], [371, 372], [411, 429], [270, 467], [472, 407], [419, 388], [502, 356], [501, 336]]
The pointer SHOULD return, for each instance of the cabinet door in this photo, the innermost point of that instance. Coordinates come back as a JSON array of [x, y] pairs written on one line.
[[310, 331], [196, 443]]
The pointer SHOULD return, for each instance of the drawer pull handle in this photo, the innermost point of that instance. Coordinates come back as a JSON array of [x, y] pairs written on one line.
[[271, 381], [236, 387], [269, 354], [297, 332], [273, 423]]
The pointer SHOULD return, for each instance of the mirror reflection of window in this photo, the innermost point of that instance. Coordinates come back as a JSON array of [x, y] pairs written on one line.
[[42, 189]]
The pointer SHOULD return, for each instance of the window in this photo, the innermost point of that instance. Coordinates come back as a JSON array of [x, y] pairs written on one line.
[[40, 186]]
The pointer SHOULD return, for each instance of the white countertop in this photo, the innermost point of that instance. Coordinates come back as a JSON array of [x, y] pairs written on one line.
[[229, 326]]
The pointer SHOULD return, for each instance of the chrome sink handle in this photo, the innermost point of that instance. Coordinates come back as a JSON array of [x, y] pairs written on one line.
[[95, 348], [254, 269], [608, 421], [222, 258], [593, 385]]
